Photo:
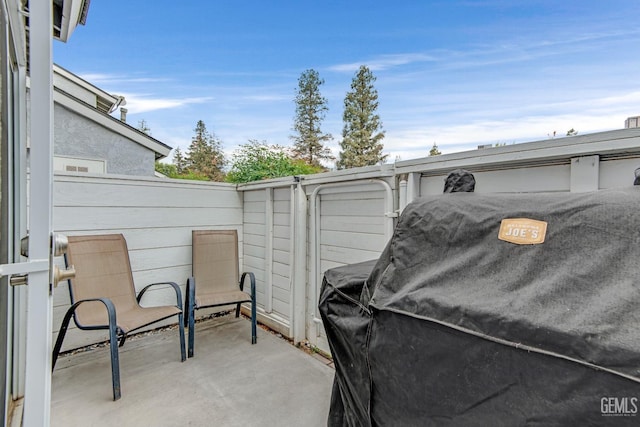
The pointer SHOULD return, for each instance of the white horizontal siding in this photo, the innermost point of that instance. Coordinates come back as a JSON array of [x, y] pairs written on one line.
[[521, 180], [155, 216], [262, 248], [618, 173], [351, 226], [254, 244], [281, 254], [351, 229]]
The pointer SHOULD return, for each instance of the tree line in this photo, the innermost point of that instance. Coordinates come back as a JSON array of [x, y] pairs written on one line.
[[361, 143]]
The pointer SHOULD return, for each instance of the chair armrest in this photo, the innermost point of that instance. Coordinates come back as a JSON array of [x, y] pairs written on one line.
[[175, 287], [111, 309], [112, 326], [252, 279]]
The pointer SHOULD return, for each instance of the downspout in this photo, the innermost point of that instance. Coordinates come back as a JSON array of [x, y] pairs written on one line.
[[299, 287], [314, 215], [292, 258], [268, 258]]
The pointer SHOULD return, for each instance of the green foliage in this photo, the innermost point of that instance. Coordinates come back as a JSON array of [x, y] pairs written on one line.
[[572, 132], [258, 160], [203, 161], [171, 171], [361, 135], [166, 169], [179, 160], [434, 150], [311, 108], [204, 156]]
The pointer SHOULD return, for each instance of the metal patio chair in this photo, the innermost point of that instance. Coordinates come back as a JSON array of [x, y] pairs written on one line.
[[103, 296], [214, 281]]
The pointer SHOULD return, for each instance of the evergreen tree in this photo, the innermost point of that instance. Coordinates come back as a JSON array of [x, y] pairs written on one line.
[[311, 108], [205, 156], [179, 160], [361, 135], [143, 127], [434, 150]]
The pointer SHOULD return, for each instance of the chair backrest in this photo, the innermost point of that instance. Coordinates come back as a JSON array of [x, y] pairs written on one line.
[[215, 260], [102, 270]]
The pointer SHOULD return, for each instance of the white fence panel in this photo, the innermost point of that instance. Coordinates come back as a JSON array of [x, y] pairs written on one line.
[[348, 215], [267, 247], [523, 180], [156, 216], [253, 220], [351, 223]]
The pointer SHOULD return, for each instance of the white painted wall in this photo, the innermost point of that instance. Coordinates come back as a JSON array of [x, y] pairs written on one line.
[[268, 254], [352, 224], [281, 263], [579, 163], [156, 217], [254, 243], [528, 180]]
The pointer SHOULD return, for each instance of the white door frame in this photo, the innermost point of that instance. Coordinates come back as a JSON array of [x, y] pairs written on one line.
[[316, 329], [37, 403], [36, 383]]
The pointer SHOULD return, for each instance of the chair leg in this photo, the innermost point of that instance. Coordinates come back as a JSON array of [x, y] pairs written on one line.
[[238, 310], [254, 336], [115, 360], [186, 304], [183, 355], [113, 340], [252, 280], [191, 331], [61, 334], [190, 314]]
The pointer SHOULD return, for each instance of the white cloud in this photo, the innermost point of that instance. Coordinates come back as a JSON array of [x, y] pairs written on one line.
[[416, 142], [116, 79], [384, 62], [141, 104], [267, 98]]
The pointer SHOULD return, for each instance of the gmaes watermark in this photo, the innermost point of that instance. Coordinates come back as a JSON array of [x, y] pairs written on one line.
[[619, 406]]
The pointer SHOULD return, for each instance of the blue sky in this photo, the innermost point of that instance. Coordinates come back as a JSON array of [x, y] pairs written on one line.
[[457, 73]]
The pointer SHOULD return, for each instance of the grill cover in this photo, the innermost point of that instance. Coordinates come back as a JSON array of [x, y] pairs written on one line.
[[455, 324]]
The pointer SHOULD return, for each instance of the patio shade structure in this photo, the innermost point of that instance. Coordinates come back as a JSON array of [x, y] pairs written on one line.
[[502, 309]]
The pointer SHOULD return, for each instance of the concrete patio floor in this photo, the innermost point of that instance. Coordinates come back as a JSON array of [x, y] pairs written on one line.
[[229, 382]]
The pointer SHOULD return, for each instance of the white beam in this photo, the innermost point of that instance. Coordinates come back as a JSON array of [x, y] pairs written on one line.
[[39, 306]]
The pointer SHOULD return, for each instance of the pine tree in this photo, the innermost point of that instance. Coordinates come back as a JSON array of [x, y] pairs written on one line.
[[143, 127], [205, 156], [361, 135], [179, 160], [311, 108], [434, 150]]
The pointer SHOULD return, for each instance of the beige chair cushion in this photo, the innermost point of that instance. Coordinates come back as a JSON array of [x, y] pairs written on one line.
[[103, 270], [216, 268]]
